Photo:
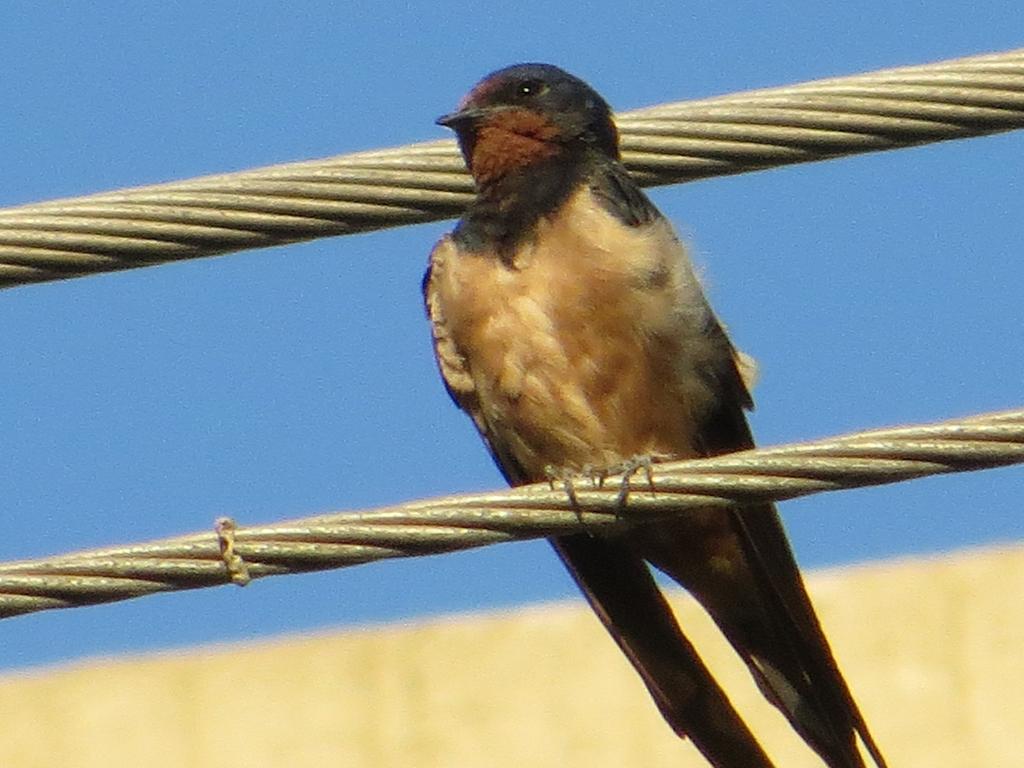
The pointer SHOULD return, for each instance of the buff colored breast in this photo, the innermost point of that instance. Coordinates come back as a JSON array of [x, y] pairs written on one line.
[[586, 350]]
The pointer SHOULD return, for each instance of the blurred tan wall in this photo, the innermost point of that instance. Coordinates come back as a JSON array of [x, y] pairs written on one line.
[[931, 647]]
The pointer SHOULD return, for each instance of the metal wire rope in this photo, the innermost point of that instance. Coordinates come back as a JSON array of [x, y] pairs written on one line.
[[233, 554], [370, 190]]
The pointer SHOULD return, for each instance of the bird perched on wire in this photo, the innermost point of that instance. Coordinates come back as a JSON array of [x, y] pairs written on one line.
[[570, 326]]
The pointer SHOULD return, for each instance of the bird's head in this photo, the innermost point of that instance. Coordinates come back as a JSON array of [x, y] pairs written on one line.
[[528, 114]]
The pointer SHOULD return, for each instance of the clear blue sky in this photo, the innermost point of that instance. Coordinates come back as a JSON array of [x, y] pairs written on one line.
[[873, 290]]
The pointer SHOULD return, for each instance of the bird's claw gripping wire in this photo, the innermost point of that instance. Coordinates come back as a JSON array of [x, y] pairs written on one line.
[[597, 476]]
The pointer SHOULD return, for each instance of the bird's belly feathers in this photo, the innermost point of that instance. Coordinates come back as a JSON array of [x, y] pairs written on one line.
[[590, 347]]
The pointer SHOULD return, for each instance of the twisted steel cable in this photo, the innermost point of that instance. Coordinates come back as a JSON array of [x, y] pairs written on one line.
[[232, 554], [423, 182]]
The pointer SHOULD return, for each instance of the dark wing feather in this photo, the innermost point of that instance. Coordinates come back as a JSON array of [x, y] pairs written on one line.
[[824, 711], [621, 590], [778, 627]]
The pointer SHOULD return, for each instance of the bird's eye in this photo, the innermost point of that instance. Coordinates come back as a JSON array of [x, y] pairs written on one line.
[[530, 88]]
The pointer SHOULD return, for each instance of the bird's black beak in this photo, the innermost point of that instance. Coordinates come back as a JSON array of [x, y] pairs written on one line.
[[463, 118]]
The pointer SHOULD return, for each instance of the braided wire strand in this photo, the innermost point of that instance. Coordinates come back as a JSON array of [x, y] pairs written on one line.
[[665, 144], [473, 520]]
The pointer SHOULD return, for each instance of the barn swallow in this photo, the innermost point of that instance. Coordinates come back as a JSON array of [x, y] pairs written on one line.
[[569, 324]]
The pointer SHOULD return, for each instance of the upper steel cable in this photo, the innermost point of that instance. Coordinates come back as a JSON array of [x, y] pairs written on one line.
[[370, 190]]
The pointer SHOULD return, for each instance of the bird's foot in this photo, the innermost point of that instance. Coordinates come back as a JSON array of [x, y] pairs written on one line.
[[630, 467], [569, 478]]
